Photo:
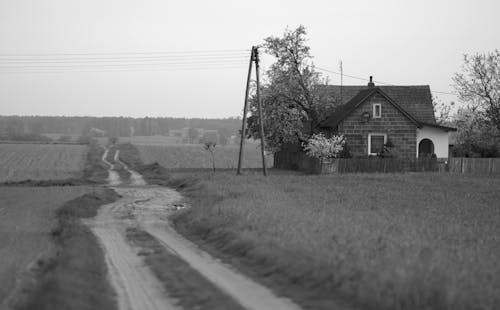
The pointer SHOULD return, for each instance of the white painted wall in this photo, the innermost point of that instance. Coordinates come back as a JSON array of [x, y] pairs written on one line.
[[439, 137]]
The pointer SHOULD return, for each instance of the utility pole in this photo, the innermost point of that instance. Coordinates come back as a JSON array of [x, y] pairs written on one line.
[[245, 107], [261, 118], [254, 57]]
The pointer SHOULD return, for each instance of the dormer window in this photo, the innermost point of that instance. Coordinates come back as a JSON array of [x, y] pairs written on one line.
[[377, 110]]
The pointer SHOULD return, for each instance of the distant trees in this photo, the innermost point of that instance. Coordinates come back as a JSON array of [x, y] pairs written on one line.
[[295, 99], [64, 138], [113, 126]]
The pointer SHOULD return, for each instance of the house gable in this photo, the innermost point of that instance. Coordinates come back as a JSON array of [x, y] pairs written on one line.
[[345, 110], [394, 124], [415, 99]]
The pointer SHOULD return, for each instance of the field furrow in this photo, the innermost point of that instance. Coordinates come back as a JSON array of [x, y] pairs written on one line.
[[40, 161]]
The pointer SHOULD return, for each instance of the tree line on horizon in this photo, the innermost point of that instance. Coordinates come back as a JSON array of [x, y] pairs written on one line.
[[32, 127]]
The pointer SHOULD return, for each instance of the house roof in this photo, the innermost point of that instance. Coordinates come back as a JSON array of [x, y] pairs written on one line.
[[416, 101], [335, 118], [447, 128]]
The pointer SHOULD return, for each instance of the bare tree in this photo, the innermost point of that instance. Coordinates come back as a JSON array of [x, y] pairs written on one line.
[[442, 111], [479, 85], [210, 147]]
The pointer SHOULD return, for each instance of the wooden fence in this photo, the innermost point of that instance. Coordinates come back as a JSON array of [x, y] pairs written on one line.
[[295, 159], [482, 166], [384, 165]]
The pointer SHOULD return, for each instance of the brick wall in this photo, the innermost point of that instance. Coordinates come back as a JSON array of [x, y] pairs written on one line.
[[399, 130]]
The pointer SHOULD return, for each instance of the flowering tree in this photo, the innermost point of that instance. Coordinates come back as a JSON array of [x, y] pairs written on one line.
[[295, 97], [321, 147]]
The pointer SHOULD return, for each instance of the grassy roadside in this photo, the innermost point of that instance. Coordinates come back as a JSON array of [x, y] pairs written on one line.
[[73, 275], [26, 221], [393, 241], [373, 241]]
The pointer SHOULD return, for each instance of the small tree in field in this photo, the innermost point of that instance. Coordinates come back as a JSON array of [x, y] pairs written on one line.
[[321, 147], [210, 147]]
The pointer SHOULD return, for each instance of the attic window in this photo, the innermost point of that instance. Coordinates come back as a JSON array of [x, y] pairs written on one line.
[[377, 110]]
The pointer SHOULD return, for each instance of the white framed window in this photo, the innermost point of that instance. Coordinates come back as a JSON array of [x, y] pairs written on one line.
[[377, 110], [376, 142]]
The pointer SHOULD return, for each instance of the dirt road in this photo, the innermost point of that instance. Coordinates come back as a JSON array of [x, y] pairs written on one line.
[[148, 208], [113, 176]]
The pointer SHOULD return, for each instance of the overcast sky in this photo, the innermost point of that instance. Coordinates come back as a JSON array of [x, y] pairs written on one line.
[[398, 42]]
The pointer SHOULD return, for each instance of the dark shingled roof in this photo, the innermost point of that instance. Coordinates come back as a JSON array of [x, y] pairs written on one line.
[[415, 100]]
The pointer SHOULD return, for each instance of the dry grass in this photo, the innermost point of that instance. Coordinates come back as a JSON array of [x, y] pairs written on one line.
[[194, 156], [26, 219], [398, 241], [40, 161]]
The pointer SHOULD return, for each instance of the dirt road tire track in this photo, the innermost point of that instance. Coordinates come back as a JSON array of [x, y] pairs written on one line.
[[135, 284]]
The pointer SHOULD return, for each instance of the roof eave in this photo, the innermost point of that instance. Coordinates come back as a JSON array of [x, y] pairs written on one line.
[[446, 128]]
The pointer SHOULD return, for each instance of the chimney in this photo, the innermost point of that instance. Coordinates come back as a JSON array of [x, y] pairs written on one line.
[[371, 84]]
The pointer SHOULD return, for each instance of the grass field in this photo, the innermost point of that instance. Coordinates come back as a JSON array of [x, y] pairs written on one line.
[[396, 241], [27, 215], [194, 156], [40, 161]]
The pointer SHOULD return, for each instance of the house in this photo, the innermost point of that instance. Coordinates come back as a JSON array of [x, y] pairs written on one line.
[[398, 117]]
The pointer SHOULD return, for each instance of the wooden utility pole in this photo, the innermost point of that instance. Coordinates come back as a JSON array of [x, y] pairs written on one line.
[[254, 57], [261, 118], [245, 107]]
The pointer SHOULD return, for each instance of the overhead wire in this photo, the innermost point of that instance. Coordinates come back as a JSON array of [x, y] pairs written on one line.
[[127, 53], [83, 70], [103, 62], [378, 82], [130, 61], [100, 65]]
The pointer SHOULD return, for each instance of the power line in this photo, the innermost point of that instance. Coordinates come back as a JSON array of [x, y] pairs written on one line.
[[124, 53], [378, 82], [178, 64], [352, 76], [123, 69], [127, 56], [129, 61], [18, 58], [60, 65]]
